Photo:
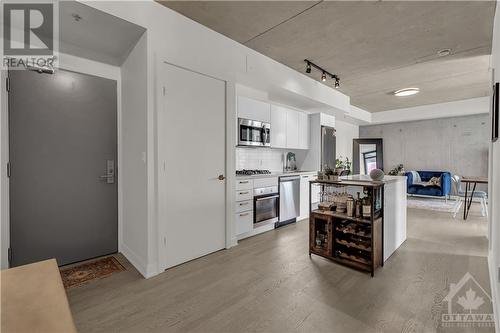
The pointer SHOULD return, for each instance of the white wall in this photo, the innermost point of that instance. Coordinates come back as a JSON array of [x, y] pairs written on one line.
[[494, 185], [133, 174], [346, 132], [464, 107]]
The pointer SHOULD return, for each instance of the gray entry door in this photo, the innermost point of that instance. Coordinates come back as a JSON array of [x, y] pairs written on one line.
[[63, 138]]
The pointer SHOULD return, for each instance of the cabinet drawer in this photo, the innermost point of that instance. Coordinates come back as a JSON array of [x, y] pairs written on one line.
[[244, 222], [265, 182], [244, 184], [243, 195], [243, 206]]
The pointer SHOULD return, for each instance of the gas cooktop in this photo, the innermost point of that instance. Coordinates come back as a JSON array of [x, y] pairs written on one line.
[[252, 172]]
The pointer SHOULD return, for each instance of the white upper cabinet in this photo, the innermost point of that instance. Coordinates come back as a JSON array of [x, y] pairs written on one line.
[[253, 109], [303, 130], [289, 128], [278, 126], [292, 129]]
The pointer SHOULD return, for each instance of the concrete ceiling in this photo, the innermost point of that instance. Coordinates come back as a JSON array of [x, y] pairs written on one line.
[[374, 47]]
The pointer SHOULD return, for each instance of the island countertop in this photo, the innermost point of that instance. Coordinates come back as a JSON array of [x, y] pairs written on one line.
[[366, 178]]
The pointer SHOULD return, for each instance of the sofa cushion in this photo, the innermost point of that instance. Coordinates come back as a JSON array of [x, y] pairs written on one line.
[[426, 190]]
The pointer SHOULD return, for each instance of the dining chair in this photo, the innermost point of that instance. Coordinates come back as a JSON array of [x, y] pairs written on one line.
[[459, 193]]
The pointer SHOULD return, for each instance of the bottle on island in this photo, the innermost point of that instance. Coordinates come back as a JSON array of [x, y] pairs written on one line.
[[367, 204], [357, 206]]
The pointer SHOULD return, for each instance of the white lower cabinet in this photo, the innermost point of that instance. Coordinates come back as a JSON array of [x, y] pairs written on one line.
[[243, 206], [304, 197], [243, 195], [244, 222]]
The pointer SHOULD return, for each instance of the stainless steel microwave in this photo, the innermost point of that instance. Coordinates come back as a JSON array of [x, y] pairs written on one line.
[[253, 133]]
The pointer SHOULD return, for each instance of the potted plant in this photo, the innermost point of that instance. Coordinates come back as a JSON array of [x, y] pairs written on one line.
[[342, 164], [347, 164], [331, 174], [397, 171], [339, 165]]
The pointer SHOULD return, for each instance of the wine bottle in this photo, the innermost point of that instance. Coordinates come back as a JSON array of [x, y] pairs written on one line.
[[358, 206], [367, 204]]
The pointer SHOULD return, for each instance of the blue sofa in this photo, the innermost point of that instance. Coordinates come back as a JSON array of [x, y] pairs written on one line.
[[435, 191]]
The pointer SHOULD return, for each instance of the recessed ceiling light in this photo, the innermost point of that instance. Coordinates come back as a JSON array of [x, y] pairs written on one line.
[[406, 92], [444, 52]]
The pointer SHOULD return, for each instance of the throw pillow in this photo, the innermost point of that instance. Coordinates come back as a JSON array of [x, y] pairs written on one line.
[[435, 181]]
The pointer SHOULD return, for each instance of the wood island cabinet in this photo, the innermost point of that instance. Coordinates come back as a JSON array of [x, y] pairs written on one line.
[[352, 241]]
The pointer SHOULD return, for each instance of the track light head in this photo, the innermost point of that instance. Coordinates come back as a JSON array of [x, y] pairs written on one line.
[[337, 83], [323, 77], [308, 68]]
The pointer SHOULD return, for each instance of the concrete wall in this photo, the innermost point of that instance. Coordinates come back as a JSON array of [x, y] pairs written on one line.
[[458, 145]]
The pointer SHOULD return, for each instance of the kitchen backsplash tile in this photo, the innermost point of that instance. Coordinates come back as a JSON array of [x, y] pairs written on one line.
[[259, 158], [264, 158]]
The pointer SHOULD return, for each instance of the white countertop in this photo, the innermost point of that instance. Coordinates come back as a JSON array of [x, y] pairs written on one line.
[[366, 178], [277, 174]]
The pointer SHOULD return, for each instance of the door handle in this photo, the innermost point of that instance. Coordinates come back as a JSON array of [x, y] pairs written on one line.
[[267, 198], [221, 177], [109, 177]]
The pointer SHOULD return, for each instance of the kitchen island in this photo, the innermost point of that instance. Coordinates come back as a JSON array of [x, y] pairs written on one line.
[[394, 210], [360, 241]]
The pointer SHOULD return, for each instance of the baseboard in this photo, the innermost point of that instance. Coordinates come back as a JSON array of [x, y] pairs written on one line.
[[493, 286], [256, 231], [146, 270], [233, 242]]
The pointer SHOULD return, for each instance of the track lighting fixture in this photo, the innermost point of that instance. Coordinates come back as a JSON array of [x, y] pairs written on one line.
[[308, 68], [324, 74]]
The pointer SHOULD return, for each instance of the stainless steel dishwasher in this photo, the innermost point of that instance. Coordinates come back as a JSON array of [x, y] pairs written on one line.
[[289, 200]]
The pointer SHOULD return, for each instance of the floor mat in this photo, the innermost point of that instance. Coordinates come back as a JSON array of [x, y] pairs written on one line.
[[81, 274], [439, 205]]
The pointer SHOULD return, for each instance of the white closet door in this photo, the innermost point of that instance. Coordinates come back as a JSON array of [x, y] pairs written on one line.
[[191, 157]]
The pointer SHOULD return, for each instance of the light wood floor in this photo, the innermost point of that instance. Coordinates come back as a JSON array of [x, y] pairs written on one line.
[[269, 283]]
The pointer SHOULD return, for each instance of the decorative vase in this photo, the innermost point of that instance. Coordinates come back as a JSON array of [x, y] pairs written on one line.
[[377, 174], [333, 177], [339, 170]]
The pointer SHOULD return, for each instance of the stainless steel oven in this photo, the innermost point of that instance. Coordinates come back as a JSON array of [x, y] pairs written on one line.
[[253, 133], [266, 206]]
